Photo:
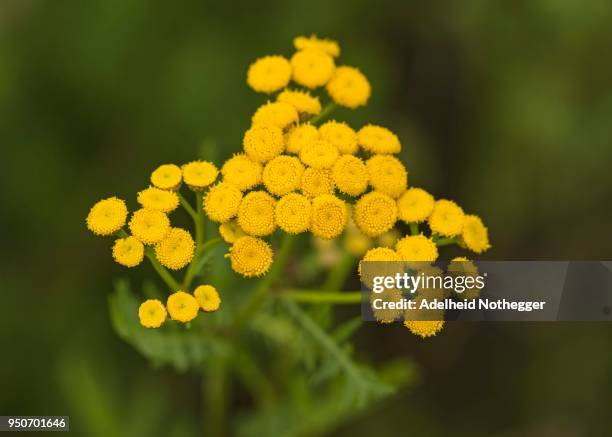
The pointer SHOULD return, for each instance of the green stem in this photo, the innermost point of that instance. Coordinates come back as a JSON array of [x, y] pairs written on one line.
[[446, 241], [188, 207], [198, 220], [172, 284], [325, 297], [214, 393], [414, 228], [328, 109], [211, 243]]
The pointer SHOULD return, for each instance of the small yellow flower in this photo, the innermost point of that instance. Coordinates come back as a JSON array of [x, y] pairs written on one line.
[[167, 177], [250, 256], [301, 100], [283, 175], [300, 136], [128, 251], [262, 143], [424, 328], [158, 199], [230, 231], [349, 87], [375, 213], [475, 235], [350, 175], [446, 218], [199, 174], [208, 297], [319, 154], [222, 201], [256, 214], [389, 238], [386, 314], [355, 242], [182, 307], [387, 174], [324, 45], [316, 182], [340, 135], [149, 225], [269, 74], [241, 172], [417, 248], [461, 266], [176, 250], [152, 313], [377, 139], [107, 216], [293, 213], [329, 216], [415, 205], [279, 114], [312, 68], [388, 264]]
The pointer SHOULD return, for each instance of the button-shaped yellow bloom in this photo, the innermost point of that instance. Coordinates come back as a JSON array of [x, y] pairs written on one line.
[[242, 172], [221, 202], [312, 68], [424, 328], [446, 218], [279, 114], [263, 143], [182, 307], [128, 251], [349, 87], [329, 216], [389, 264], [350, 175], [378, 139], [415, 205], [256, 213], [340, 135], [319, 154], [293, 213], [313, 43], [300, 136], [107, 216], [230, 231], [316, 182], [475, 235], [303, 101], [387, 174], [167, 177], [161, 200], [199, 174], [269, 74], [250, 256], [417, 248], [152, 313], [375, 213], [149, 225], [208, 297], [283, 174], [176, 250]]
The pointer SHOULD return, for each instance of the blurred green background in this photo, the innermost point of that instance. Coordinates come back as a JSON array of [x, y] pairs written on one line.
[[504, 106]]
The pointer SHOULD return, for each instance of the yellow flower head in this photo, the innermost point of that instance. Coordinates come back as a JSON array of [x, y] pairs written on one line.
[[279, 114], [159, 200], [350, 175], [377, 139], [312, 68], [319, 154], [128, 251], [355, 242], [269, 74], [387, 315], [230, 231], [283, 175], [415, 205], [175, 251], [340, 135], [475, 235], [152, 313], [329, 216], [424, 328], [316, 182], [349, 87], [199, 174], [313, 43], [222, 201], [293, 213], [256, 213], [241, 172], [389, 264], [107, 216], [389, 238], [417, 248], [208, 297], [446, 218], [301, 100], [183, 307], [250, 256], [461, 266], [167, 177], [387, 174], [300, 136], [149, 225], [375, 213], [262, 143]]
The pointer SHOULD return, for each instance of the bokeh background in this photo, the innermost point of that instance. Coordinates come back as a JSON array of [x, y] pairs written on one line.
[[504, 106]]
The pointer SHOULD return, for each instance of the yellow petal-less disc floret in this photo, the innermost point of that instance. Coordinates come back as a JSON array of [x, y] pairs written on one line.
[[279, 114], [262, 143], [329, 216], [107, 216], [349, 87], [269, 74], [417, 248], [319, 154], [350, 175], [242, 172], [152, 313], [380, 254], [378, 139], [387, 174], [300, 136], [128, 251], [313, 43], [176, 250], [424, 328], [199, 174], [283, 175], [387, 314], [446, 218], [208, 297], [312, 68], [222, 201], [230, 231], [415, 205], [161, 200], [303, 101], [293, 213], [167, 177], [250, 256], [375, 213], [182, 307], [475, 235], [316, 182], [256, 214], [387, 262], [340, 135], [149, 225]]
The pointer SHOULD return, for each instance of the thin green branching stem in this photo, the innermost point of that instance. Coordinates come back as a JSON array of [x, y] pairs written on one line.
[[198, 221], [211, 243], [446, 241], [322, 297], [328, 109], [185, 204], [414, 228], [215, 396]]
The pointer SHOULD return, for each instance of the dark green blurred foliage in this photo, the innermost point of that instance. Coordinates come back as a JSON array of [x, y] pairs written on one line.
[[503, 106]]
